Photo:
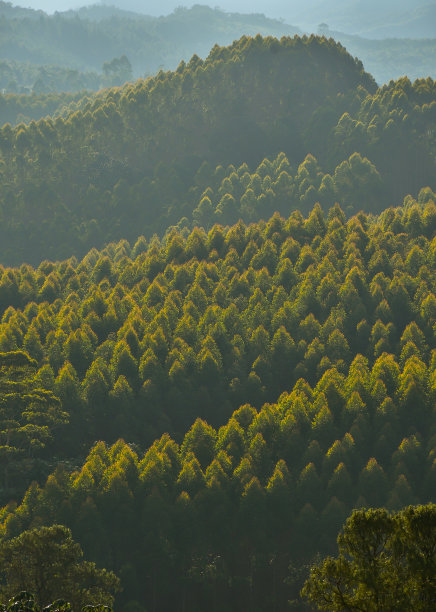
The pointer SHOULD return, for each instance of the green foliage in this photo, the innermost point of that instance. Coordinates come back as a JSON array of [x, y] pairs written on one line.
[[47, 562], [292, 361], [386, 562], [138, 344], [197, 326], [371, 149], [133, 142], [270, 372], [29, 415], [25, 602]]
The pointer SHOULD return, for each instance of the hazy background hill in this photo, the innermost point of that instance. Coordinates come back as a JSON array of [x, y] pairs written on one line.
[[372, 18], [78, 43], [67, 51]]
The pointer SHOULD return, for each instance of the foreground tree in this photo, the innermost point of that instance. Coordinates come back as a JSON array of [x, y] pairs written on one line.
[[25, 602], [386, 562], [48, 563]]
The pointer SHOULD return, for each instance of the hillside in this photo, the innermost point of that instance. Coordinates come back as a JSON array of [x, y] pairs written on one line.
[[27, 78], [307, 344], [139, 158], [8, 10], [242, 103], [368, 18], [419, 22]]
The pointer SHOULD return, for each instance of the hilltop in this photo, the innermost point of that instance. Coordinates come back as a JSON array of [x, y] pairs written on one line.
[[242, 103], [138, 158], [132, 157]]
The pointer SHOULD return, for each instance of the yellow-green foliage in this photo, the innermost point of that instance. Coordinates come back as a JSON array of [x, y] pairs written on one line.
[[332, 321]]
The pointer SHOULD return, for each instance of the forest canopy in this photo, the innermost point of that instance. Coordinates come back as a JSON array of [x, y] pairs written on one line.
[[293, 363], [199, 409], [116, 164]]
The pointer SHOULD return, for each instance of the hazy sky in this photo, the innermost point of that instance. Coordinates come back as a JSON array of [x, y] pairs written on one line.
[[49, 5]]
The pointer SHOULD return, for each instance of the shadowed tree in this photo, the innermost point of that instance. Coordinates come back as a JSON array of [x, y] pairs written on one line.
[[28, 414], [48, 563]]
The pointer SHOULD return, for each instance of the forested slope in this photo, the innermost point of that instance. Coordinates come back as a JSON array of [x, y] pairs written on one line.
[[330, 320], [30, 79], [137, 159], [21, 108]]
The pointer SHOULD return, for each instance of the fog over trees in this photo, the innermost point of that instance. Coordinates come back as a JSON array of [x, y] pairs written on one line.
[[372, 18]]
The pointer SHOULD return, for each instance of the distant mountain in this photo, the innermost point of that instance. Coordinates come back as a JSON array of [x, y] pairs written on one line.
[[390, 58], [85, 38], [371, 18], [419, 23], [97, 35], [99, 12]]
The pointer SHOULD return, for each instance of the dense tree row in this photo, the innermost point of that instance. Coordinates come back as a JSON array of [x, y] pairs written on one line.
[[236, 193], [17, 108], [138, 341], [215, 522], [118, 161], [58, 175], [398, 117], [252, 382]]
